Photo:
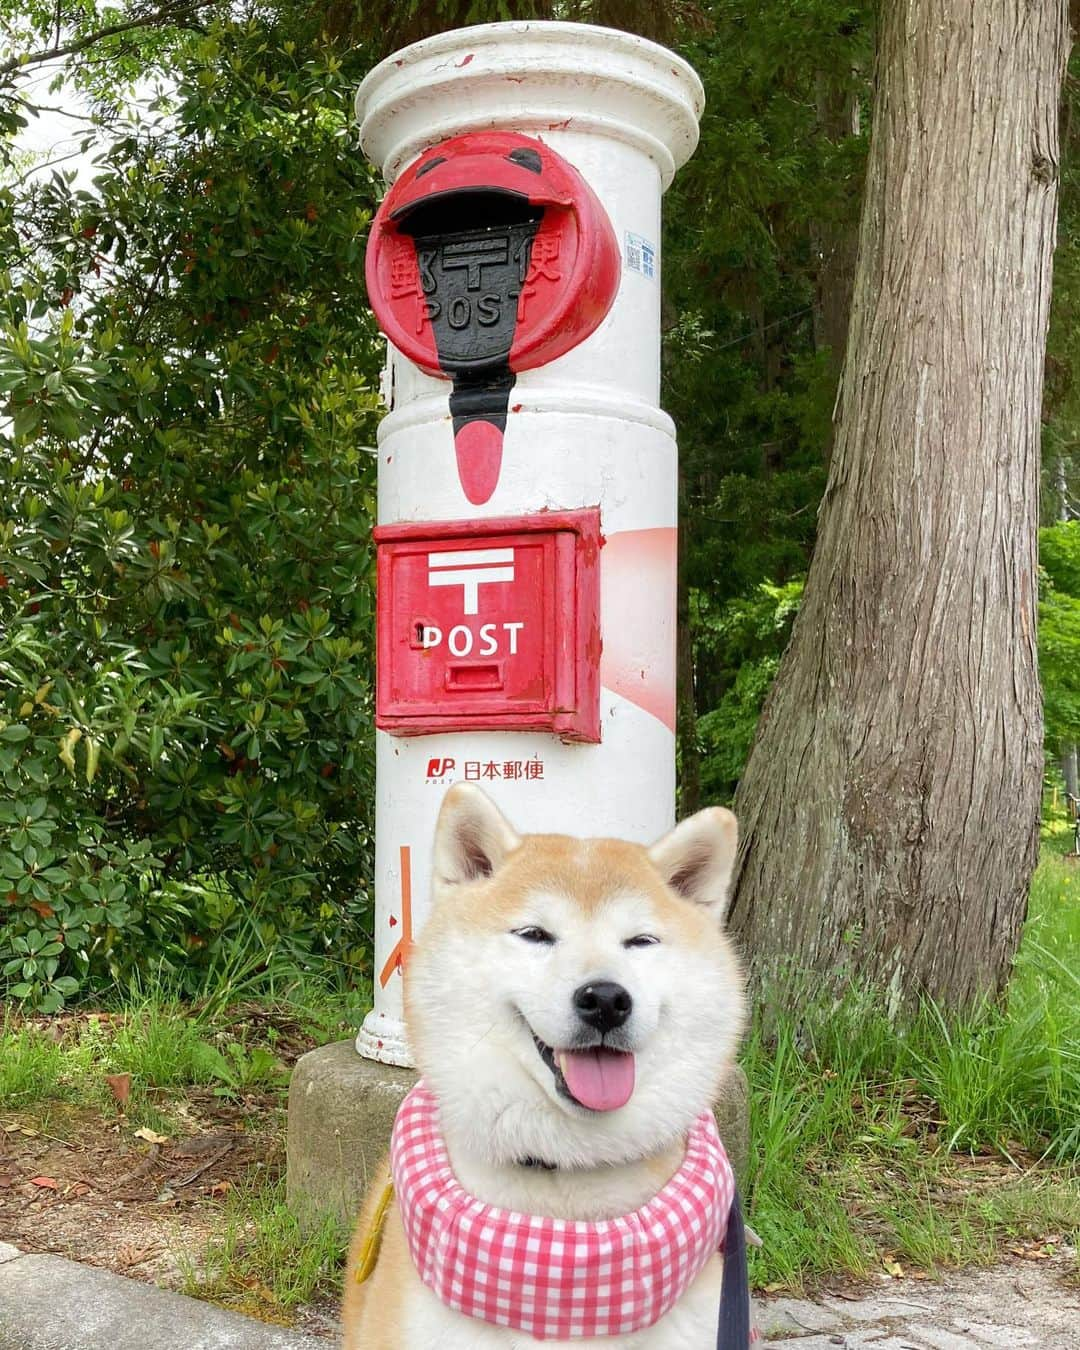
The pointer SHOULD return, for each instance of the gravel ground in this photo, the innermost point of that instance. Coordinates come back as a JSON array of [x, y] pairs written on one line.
[[1021, 1303]]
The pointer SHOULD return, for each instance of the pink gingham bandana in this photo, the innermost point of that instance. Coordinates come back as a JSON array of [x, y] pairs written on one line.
[[556, 1279]]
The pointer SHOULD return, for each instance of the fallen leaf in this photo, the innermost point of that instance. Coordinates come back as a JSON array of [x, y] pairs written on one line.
[[119, 1086], [46, 1183], [221, 1188], [130, 1255], [151, 1136], [894, 1268], [259, 1289]]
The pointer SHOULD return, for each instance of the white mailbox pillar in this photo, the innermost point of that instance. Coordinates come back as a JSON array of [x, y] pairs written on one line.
[[527, 475]]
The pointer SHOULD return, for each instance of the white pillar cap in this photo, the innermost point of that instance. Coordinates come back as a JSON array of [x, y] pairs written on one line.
[[533, 77]]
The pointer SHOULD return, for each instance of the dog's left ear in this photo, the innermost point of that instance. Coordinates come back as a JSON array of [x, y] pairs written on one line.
[[697, 857]]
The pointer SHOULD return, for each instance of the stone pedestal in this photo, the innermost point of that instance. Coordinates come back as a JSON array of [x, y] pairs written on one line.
[[342, 1108]]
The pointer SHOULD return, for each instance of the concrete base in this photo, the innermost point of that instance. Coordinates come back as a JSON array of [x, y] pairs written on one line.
[[342, 1108], [49, 1303], [382, 1037], [341, 1111]]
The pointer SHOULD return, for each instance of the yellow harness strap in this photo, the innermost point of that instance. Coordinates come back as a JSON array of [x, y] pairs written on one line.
[[369, 1252]]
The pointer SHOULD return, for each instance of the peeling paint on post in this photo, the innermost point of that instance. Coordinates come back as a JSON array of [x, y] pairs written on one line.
[[515, 266]]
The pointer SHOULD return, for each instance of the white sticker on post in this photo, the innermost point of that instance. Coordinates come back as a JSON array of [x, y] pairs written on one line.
[[640, 255]]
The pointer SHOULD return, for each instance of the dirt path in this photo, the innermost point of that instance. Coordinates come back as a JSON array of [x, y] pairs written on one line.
[[1011, 1306], [86, 1189]]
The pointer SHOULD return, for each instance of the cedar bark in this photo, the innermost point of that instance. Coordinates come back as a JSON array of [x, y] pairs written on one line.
[[890, 805]]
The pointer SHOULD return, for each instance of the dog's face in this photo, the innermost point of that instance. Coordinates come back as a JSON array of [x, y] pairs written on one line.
[[573, 1000]]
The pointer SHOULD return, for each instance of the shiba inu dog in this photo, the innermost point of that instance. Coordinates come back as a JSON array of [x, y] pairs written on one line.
[[573, 1006]]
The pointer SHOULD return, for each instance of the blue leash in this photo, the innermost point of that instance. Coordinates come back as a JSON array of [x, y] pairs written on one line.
[[733, 1332]]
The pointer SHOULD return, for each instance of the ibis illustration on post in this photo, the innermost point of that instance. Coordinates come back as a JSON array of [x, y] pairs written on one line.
[[490, 255]]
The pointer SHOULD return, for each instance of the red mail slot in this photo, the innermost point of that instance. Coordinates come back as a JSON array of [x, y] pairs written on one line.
[[490, 250], [490, 624]]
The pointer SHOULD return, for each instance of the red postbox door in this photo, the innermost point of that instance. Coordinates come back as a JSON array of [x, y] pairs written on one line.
[[490, 624]]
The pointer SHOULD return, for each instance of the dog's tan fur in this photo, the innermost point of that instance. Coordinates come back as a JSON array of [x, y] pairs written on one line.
[[392, 1272], [496, 1101]]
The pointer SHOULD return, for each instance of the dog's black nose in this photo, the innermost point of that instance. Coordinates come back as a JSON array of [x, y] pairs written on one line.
[[604, 1005]]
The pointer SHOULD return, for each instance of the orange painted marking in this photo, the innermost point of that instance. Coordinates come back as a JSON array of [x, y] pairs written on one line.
[[397, 958]]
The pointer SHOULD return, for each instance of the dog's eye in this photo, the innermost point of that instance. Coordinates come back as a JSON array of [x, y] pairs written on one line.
[[540, 936], [642, 940]]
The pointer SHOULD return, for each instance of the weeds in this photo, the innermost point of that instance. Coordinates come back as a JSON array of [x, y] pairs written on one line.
[[237, 1069], [262, 1260], [934, 1143], [31, 1065]]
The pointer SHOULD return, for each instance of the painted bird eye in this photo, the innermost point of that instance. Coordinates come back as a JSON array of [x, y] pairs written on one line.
[[540, 936], [642, 940]]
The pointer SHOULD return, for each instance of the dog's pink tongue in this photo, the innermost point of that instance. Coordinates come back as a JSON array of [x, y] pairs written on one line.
[[600, 1079]]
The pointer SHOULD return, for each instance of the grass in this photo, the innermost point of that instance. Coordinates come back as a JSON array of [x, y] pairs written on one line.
[[31, 1066], [954, 1141], [161, 1045], [262, 1262], [54, 1081], [943, 1144], [165, 1044]]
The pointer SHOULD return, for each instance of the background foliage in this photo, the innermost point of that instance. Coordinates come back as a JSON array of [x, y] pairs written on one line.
[[187, 390], [187, 362], [1059, 632]]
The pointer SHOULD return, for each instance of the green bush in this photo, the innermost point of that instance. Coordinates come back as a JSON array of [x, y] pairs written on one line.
[[1059, 632], [186, 378]]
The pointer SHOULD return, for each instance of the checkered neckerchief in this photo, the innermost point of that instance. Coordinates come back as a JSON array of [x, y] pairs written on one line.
[[556, 1279]]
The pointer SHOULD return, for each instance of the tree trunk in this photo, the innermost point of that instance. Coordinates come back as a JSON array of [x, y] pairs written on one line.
[[889, 809], [1069, 773]]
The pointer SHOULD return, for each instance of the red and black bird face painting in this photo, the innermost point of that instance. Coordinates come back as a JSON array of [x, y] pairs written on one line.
[[490, 255]]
